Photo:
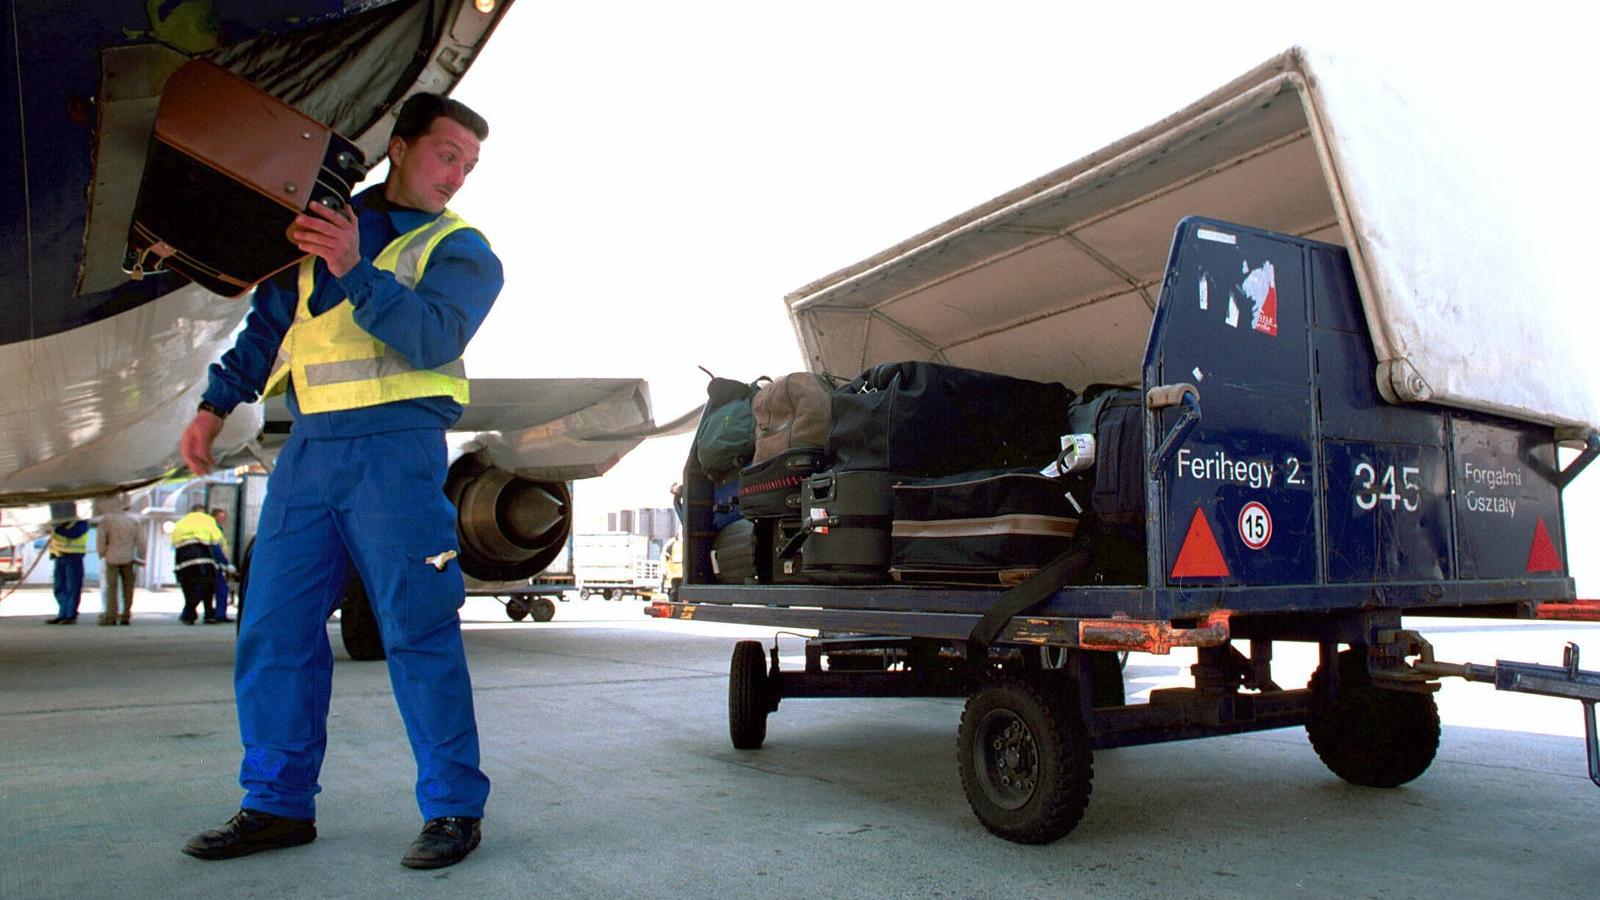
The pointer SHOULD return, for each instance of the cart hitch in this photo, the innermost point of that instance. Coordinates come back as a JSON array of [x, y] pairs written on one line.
[[1565, 680]]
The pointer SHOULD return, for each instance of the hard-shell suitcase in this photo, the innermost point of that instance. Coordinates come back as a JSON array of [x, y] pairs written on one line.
[[847, 516], [733, 553], [772, 488], [981, 527], [927, 419], [229, 168]]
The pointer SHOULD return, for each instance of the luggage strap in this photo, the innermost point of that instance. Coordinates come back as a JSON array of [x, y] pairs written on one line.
[[1029, 593]]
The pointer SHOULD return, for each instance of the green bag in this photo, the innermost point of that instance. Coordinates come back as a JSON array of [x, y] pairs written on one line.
[[726, 437]]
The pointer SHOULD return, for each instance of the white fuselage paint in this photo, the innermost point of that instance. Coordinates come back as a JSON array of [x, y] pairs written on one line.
[[102, 406]]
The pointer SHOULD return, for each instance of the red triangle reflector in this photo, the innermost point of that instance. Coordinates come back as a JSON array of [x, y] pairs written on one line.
[[1542, 556], [1200, 557]]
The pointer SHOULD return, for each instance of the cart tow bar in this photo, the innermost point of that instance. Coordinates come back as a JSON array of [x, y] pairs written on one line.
[[1565, 680]]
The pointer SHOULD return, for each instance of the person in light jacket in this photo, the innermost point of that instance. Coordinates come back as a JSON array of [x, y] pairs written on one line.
[[119, 541]]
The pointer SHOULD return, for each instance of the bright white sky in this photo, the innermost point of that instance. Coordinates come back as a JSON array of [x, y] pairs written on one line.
[[659, 175]]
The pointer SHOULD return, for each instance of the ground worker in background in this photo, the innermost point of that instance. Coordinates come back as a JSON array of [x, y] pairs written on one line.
[[69, 541], [219, 553], [194, 538], [367, 338], [119, 542]]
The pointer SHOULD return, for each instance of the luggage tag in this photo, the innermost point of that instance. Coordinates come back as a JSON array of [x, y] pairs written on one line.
[[1077, 455]]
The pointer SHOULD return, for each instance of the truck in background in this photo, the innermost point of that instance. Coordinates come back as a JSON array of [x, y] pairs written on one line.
[[614, 564]]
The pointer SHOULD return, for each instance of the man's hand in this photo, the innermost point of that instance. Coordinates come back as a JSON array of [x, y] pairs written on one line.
[[195, 445], [330, 235]]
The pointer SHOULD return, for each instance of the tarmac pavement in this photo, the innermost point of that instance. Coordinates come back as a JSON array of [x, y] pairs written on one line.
[[605, 736]]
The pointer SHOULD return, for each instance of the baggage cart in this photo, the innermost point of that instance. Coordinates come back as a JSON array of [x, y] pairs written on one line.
[[1322, 459]]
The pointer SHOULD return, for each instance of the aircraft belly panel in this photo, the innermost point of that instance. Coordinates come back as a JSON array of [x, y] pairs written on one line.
[[105, 403]]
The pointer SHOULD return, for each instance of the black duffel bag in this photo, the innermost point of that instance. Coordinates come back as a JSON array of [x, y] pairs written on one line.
[[927, 419]]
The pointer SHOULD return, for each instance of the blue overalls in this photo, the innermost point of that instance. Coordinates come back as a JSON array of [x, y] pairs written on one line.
[[68, 544], [362, 490]]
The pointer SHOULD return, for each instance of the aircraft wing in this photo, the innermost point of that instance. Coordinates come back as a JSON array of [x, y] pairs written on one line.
[[544, 429]]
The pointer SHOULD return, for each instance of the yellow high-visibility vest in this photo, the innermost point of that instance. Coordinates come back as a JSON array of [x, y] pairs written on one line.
[[60, 545], [196, 527], [337, 365]]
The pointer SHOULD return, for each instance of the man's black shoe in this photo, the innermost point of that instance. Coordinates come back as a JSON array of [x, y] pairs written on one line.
[[443, 842], [251, 831]]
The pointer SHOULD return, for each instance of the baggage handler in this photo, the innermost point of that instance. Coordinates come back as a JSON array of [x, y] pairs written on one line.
[[366, 338], [195, 538], [69, 541]]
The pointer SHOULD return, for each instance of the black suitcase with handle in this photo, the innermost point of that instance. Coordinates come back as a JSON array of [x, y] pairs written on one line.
[[771, 488], [229, 167], [847, 517]]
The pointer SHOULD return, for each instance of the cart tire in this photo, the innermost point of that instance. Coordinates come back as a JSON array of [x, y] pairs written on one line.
[[543, 609], [749, 696], [358, 625], [517, 608], [1371, 736], [1025, 762]]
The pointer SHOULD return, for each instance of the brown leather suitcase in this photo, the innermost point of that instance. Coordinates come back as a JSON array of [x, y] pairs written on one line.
[[229, 167]]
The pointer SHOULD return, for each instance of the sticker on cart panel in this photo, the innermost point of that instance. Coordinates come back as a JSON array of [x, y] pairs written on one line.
[[1255, 526]]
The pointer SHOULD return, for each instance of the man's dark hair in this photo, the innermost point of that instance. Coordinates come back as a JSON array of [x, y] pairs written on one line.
[[419, 111]]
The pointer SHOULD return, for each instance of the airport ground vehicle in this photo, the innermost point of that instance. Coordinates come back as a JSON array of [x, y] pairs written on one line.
[[614, 565], [1327, 451], [10, 563]]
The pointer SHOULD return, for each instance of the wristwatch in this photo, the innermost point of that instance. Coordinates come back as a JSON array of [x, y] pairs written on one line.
[[206, 406]]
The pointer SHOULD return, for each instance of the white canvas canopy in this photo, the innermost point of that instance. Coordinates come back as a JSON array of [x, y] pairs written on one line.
[[1057, 280]]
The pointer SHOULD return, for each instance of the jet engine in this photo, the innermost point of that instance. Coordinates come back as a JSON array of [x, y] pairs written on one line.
[[509, 527]]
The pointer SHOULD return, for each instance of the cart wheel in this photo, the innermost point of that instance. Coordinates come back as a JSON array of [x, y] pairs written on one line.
[[517, 608], [1025, 761], [749, 699], [543, 609], [1371, 736]]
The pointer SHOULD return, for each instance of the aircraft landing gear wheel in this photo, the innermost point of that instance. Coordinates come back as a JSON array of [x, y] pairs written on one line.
[[358, 627], [1025, 762], [517, 608], [749, 696], [543, 609], [1368, 735]]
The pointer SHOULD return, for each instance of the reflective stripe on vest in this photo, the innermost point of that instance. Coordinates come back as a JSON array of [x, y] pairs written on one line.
[[61, 545], [337, 365]]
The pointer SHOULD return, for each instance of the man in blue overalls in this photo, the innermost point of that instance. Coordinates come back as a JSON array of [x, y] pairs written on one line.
[[366, 337], [69, 541]]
